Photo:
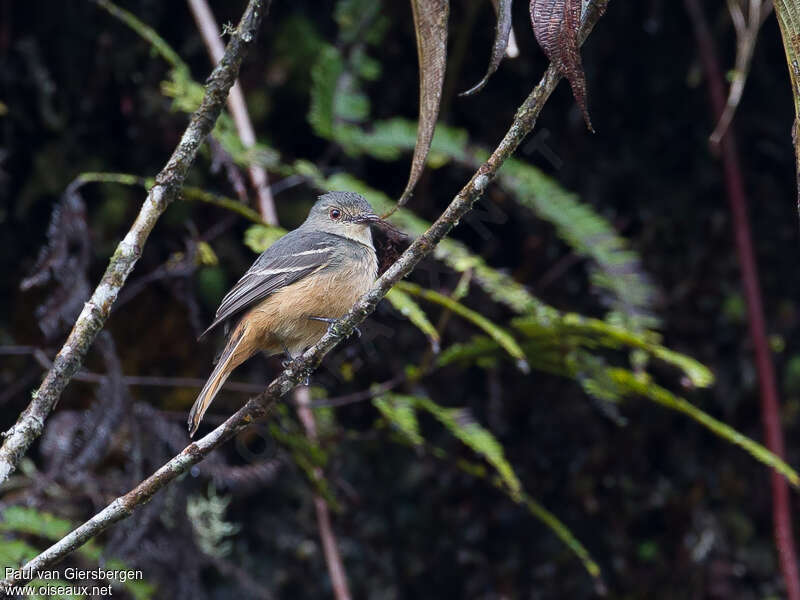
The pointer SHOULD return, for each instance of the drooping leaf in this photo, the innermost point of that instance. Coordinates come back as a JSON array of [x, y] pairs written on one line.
[[616, 271], [502, 31], [400, 411], [555, 25], [641, 385], [461, 423], [430, 24], [407, 307]]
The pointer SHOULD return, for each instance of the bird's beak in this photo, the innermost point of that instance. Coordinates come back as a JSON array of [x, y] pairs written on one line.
[[367, 218]]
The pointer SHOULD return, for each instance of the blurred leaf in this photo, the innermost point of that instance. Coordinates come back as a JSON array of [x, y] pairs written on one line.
[[791, 378], [31, 521], [642, 386], [407, 307], [430, 24], [260, 237], [400, 412], [460, 422], [206, 255]]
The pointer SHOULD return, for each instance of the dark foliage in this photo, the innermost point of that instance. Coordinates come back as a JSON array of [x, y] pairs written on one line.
[[666, 508]]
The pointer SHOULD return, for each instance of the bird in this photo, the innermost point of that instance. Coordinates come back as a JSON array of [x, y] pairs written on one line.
[[296, 289]]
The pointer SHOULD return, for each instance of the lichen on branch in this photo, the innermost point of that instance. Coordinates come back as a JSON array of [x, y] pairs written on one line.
[[168, 184]]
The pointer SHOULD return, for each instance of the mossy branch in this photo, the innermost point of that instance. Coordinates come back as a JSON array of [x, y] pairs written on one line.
[[167, 187], [299, 370]]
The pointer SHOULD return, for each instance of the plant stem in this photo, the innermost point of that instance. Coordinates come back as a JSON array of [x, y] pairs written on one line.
[[770, 405], [258, 176]]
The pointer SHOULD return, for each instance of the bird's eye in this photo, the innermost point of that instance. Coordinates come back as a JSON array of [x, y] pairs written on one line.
[[335, 214]]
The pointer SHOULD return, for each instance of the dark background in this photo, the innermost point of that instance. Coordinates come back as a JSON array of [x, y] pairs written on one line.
[[667, 509]]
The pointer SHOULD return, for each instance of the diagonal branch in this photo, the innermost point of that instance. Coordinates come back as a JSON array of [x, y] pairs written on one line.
[[167, 186], [259, 406]]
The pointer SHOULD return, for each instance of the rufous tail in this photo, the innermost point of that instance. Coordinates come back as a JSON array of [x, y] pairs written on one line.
[[228, 361]]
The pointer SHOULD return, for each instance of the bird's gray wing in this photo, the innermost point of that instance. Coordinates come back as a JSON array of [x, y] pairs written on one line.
[[294, 256]]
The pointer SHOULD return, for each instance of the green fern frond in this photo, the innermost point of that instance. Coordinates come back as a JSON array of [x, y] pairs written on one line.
[[16, 520], [400, 411], [324, 76], [497, 333], [616, 267], [462, 425], [610, 384], [641, 385], [407, 306], [575, 330], [188, 93]]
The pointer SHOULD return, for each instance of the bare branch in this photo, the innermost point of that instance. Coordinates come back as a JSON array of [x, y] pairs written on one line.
[[768, 386], [210, 31], [298, 371], [333, 559], [167, 186]]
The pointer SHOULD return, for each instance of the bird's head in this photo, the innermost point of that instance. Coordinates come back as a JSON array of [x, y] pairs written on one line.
[[343, 213]]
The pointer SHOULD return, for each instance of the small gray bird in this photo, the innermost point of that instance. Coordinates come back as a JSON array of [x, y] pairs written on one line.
[[296, 288]]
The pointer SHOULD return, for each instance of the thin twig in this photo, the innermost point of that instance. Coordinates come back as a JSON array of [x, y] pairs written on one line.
[[209, 30], [258, 176], [167, 186], [746, 28], [333, 559], [770, 404], [259, 406]]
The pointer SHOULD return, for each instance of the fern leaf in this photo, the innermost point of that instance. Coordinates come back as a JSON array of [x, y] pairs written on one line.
[[497, 333], [406, 306], [400, 411]]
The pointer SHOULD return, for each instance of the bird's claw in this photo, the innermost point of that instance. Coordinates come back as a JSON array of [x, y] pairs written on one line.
[[332, 322]]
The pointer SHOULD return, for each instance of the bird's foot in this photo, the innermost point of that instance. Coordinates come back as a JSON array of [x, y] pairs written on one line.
[[331, 322]]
